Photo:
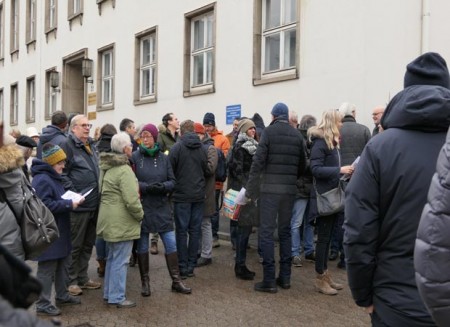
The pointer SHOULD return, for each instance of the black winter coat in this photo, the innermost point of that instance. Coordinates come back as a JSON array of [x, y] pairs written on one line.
[[279, 160], [305, 181], [82, 171], [240, 162], [189, 161], [384, 201], [354, 138], [157, 208]]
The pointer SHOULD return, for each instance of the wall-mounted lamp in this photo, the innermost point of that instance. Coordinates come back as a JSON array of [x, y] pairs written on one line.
[[54, 81], [86, 69]]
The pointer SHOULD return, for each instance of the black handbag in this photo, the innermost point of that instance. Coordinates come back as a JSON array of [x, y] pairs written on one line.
[[332, 201], [37, 223]]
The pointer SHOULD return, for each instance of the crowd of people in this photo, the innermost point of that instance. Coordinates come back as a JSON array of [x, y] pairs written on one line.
[[154, 182]]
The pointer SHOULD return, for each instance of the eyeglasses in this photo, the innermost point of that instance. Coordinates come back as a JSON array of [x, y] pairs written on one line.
[[146, 137], [376, 113], [89, 126]]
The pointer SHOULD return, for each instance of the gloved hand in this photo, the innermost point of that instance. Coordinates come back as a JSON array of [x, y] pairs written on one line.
[[156, 188]]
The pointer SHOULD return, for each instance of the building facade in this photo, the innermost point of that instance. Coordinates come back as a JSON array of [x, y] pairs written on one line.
[[140, 59]]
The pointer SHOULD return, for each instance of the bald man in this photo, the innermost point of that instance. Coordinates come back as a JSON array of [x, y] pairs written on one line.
[[377, 113]]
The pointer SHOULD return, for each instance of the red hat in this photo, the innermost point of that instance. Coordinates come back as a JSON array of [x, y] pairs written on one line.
[[199, 128]]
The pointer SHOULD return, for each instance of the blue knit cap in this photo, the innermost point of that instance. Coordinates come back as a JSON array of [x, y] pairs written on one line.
[[280, 110]]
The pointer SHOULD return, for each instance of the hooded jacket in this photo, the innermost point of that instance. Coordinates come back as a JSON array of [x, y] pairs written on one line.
[[166, 140], [11, 175], [433, 243], [52, 134], [157, 209], [48, 185], [210, 182], [120, 208], [189, 162], [384, 201]]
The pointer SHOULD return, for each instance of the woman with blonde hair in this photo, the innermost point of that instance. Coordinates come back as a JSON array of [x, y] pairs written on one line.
[[326, 169]]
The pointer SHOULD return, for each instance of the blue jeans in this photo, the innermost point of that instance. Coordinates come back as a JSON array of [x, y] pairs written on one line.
[[101, 248], [270, 206], [298, 211], [215, 217], [242, 236], [168, 239], [308, 238], [116, 271], [188, 222]]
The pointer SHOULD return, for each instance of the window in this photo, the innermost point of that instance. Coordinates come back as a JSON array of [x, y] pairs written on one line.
[[51, 17], [14, 105], [106, 78], [75, 10], [200, 51], [31, 21], [31, 100], [2, 32], [145, 65], [276, 30], [14, 36], [50, 94], [2, 110]]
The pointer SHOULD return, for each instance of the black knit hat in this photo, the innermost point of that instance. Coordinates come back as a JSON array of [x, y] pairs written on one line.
[[427, 69], [209, 119]]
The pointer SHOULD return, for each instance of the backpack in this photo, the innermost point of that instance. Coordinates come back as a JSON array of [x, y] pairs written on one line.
[[221, 169]]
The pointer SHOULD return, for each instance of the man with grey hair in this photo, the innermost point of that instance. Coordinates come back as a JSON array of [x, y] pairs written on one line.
[[377, 113], [354, 138], [293, 118], [81, 175]]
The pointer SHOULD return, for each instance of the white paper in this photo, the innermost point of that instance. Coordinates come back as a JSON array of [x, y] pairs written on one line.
[[76, 197], [240, 198]]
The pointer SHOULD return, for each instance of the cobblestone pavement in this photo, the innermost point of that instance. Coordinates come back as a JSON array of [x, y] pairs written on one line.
[[220, 299]]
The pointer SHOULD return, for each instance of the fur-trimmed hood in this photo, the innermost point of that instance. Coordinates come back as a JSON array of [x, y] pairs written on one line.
[[315, 132], [109, 160], [11, 158]]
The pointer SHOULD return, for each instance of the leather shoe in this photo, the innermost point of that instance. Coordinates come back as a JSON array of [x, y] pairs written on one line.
[[190, 273], [126, 304], [154, 248], [243, 273], [203, 262], [71, 300], [333, 256], [50, 311], [285, 284], [266, 287]]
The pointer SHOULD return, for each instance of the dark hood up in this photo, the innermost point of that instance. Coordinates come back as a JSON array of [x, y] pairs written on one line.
[[191, 140]]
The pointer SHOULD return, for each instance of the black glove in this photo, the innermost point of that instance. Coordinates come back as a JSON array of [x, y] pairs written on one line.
[[156, 188]]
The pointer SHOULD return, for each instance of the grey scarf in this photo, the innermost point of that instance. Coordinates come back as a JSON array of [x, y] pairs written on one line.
[[250, 144]]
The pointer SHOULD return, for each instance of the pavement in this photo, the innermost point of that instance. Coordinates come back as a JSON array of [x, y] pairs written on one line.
[[219, 299]]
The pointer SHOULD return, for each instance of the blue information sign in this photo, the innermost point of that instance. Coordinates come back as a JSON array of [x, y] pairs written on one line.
[[233, 112]]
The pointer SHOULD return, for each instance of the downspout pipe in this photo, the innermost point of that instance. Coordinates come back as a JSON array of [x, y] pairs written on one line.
[[425, 27]]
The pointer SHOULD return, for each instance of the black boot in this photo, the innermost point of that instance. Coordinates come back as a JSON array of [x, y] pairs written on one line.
[[242, 272], [143, 259], [172, 266], [133, 257]]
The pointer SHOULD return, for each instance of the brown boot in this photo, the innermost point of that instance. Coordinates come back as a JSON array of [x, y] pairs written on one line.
[[322, 285], [143, 260], [154, 248], [331, 282], [101, 267], [172, 265]]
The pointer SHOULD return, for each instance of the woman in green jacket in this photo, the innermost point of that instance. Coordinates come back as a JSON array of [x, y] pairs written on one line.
[[119, 216]]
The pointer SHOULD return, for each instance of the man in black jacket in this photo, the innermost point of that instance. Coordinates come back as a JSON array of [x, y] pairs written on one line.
[[278, 162], [189, 163], [387, 193]]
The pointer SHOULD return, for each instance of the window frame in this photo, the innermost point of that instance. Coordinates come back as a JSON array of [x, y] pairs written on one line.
[[72, 14], [190, 18], [2, 105], [2, 30], [49, 8], [139, 98], [14, 27], [260, 76], [31, 22], [14, 104], [31, 100], [101, 78]]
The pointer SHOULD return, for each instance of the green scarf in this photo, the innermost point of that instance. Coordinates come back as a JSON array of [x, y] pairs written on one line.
[[151, 152]]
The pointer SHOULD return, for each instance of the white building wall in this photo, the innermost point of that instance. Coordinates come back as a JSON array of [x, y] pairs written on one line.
[[350, 50]]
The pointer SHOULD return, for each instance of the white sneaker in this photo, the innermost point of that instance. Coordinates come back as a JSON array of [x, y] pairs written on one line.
[[297, 261]]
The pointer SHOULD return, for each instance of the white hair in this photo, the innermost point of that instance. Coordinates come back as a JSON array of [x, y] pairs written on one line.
[[347, 109], [119, 141]]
